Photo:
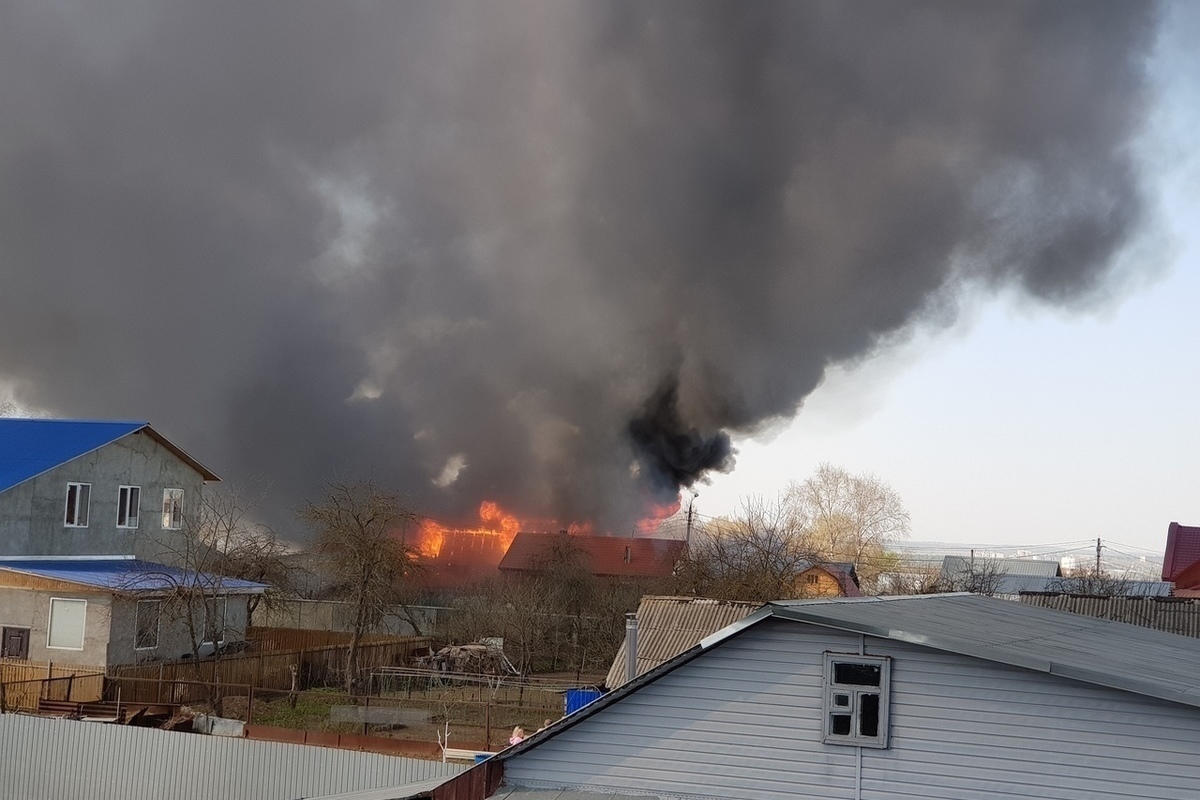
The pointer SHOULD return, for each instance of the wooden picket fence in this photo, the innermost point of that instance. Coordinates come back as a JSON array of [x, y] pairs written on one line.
[[315, 666], [23, 683], [271, 640]]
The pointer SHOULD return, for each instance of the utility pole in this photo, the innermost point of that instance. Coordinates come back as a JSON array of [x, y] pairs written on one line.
[[691, 502], [1097, 556]]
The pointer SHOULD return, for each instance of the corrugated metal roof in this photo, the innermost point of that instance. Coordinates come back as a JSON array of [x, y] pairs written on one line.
[[667, 626], [517, 793], [48, 759], [957, 565], [29, 447], [1098, 651], [409, 791], [609, 556], [128, 575], [1171, 614]]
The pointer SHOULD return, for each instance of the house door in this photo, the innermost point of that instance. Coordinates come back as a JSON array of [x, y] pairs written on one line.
[[15, 643]]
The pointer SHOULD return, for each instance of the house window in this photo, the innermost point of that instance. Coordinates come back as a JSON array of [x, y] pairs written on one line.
[[128, 498], [812, 579], [856, 700], [214, 620], [67, 618], [148, 613], [15, 643], [78, 496], [172, 509]]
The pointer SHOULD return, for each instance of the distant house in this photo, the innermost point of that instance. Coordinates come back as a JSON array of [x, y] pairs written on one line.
[[1181, 559], [94, 537], [667, 626], [831, 579], [956, 696], [1000, 577], [604, 556]]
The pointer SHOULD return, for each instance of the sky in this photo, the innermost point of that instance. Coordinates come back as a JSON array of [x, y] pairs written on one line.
[[1025, 425], [571, 256]]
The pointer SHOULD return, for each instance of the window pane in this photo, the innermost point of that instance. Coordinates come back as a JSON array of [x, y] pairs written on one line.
[[135, 501], [147, 623], [72, 502], [67, 618], [856, 674], [123, 506], [868, 715], [841, 700], [84, 496], [839, 724]]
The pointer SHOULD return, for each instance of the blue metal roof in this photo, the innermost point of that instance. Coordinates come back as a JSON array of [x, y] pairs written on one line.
[[128, 575], [29, 447]]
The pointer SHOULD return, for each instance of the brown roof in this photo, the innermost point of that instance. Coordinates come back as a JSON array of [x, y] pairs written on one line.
[[607, 556], [667, 626]]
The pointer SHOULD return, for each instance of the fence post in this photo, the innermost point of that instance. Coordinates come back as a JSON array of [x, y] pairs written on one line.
[[250, 705], [366, 712], [487, 725], [158, 695]]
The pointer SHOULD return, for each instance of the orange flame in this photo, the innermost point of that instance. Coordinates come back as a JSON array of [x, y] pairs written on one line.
[[659, 512], [496, 522]]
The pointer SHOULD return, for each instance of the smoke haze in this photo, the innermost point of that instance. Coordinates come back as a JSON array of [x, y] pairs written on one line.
[[551, 254]]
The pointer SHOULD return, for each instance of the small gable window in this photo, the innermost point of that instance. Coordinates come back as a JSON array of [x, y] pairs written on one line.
[[857, 690], [78, 497], [128, 498]]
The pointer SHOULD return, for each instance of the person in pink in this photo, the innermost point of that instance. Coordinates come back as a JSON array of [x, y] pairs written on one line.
[[518, 735]]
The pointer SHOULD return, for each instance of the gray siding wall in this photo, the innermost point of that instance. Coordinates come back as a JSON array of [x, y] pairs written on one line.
[[32, 513], [52, 759], [743, 721], [25, 608]]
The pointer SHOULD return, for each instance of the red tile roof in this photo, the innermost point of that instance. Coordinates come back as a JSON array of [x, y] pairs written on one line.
[[1183, 549], [607, 556]]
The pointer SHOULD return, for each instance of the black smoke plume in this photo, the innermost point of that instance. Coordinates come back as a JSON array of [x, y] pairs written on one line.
[[463, 247]]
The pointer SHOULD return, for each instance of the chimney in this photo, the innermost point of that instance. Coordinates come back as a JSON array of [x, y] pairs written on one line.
[[631, 647], [628, 553]]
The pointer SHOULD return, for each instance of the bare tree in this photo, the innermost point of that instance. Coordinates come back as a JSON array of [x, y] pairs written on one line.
[[1091, 581], [361, 529], [216, 541], [849, 517], [754, 556], [977, 575]]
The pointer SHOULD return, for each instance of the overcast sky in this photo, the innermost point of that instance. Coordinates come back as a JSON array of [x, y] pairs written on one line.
[[569, 256]]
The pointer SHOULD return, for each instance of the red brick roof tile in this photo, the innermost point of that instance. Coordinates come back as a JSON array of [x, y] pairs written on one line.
[[606, 556]]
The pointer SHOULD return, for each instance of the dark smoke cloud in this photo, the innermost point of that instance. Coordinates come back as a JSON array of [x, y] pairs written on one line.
[[575, 245]]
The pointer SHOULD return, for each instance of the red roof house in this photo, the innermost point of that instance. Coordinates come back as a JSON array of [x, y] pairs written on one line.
[[1183, 550], [605, 556]]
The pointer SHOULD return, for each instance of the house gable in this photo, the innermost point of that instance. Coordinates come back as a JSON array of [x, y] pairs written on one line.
[[742, 718], [32, 512]]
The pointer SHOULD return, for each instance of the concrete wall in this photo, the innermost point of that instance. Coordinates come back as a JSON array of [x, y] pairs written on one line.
[[32, 513], [744, 721], [27, 608], [174, 633]]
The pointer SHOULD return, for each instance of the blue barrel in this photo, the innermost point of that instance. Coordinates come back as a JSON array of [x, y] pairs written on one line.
[[578, 698], [481, 757]]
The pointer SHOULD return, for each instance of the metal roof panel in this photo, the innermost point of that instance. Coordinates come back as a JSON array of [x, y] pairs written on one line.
[[123, 574]]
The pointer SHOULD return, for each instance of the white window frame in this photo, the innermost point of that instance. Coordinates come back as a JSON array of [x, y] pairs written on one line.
[[129, 500], [71, 515], [846, 698], [172, 519], [137, 628], [50, 624], [218, 636]]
